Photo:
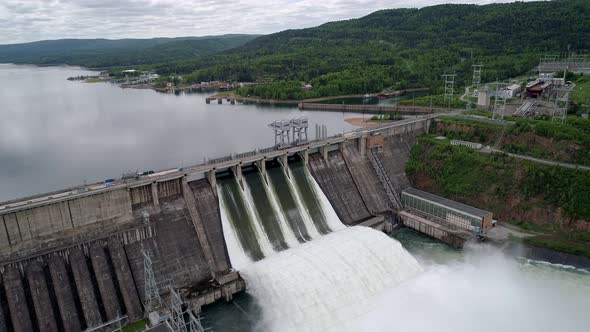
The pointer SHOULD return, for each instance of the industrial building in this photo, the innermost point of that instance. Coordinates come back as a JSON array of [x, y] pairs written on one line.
[[446, 212]]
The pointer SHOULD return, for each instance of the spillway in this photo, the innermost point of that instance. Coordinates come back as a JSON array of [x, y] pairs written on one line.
[[288, 205], [260, 196], [328, 276]]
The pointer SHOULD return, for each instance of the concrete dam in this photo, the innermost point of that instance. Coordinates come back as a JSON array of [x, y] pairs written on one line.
[[75, 259]]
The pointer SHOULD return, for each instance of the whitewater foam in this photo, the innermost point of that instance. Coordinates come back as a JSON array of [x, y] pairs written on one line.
[[329, 283]]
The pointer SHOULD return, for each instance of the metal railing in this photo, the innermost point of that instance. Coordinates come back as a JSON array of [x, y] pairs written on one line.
[[394, 200]]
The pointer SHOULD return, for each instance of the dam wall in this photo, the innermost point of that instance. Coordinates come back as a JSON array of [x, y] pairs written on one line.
[[85, 247]]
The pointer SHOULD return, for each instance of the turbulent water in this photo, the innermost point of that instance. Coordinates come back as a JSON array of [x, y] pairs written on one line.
[[330, 274], [481, 289], [327, 284], [317, 275]]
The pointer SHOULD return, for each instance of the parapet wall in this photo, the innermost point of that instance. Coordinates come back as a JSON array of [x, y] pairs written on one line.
[[63, 223]]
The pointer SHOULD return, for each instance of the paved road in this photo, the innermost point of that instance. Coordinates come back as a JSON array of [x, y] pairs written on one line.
[[537, 160]]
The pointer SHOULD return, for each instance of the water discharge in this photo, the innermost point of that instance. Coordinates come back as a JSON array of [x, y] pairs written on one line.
[[327, 284], [282, 190], [358, 279], [483, 290]]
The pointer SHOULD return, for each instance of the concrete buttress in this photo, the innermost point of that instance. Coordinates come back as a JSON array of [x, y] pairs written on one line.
[[41, 301], [125, 281], [85, 288], [63, 293], [17, 302], [104, 279]]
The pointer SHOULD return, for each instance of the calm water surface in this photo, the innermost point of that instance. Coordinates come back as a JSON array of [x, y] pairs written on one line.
[[56, 133]]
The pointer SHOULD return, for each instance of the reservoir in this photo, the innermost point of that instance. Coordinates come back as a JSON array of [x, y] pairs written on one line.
[[56, 133]]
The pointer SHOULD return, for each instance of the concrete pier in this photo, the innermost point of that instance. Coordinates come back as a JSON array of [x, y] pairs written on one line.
[[39, 292], [208, 208], [155, 198], [63, 293], [199, 226], [104, 279], [237, 170], [17, 302], [261, 164], [85, 288], [125, 281]]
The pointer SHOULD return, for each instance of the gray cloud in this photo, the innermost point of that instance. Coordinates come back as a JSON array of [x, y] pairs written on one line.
[[29, 20]]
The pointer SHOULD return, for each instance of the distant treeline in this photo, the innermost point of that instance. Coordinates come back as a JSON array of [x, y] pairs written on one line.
[[400, 48], [96, 53]]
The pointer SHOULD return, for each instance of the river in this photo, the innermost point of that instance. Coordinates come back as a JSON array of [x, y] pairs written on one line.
[[56, 133], [476, 289]]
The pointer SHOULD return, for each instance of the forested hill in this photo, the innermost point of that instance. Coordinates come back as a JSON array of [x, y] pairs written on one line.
[[410, 47], [121, 52]]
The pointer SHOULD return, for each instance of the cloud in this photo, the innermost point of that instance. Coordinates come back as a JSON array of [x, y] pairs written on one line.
[[30, 20]]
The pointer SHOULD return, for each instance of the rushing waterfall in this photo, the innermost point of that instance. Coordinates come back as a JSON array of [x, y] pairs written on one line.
[[329, 283], [305, 268]]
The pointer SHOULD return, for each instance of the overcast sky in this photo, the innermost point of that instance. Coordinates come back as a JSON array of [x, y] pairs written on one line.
[[30, 20]]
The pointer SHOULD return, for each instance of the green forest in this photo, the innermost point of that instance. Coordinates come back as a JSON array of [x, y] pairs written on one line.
[[392, 48], [400, 48]]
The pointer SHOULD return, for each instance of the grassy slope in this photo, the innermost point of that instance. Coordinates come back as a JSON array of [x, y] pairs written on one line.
[[553, 201], [581, 94], [569, 142]]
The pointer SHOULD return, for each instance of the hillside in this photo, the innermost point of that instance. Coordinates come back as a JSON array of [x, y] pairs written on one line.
[[403, 47], [552, 202], [121, 52]]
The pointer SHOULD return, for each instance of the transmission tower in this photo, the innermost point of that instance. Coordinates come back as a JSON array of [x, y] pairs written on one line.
[[499, 102], [152, 294], [182, 318], [476, 81], [449, 85], [561, 103]]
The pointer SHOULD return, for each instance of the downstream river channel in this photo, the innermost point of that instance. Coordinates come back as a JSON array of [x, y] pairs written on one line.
[[56, 133]]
